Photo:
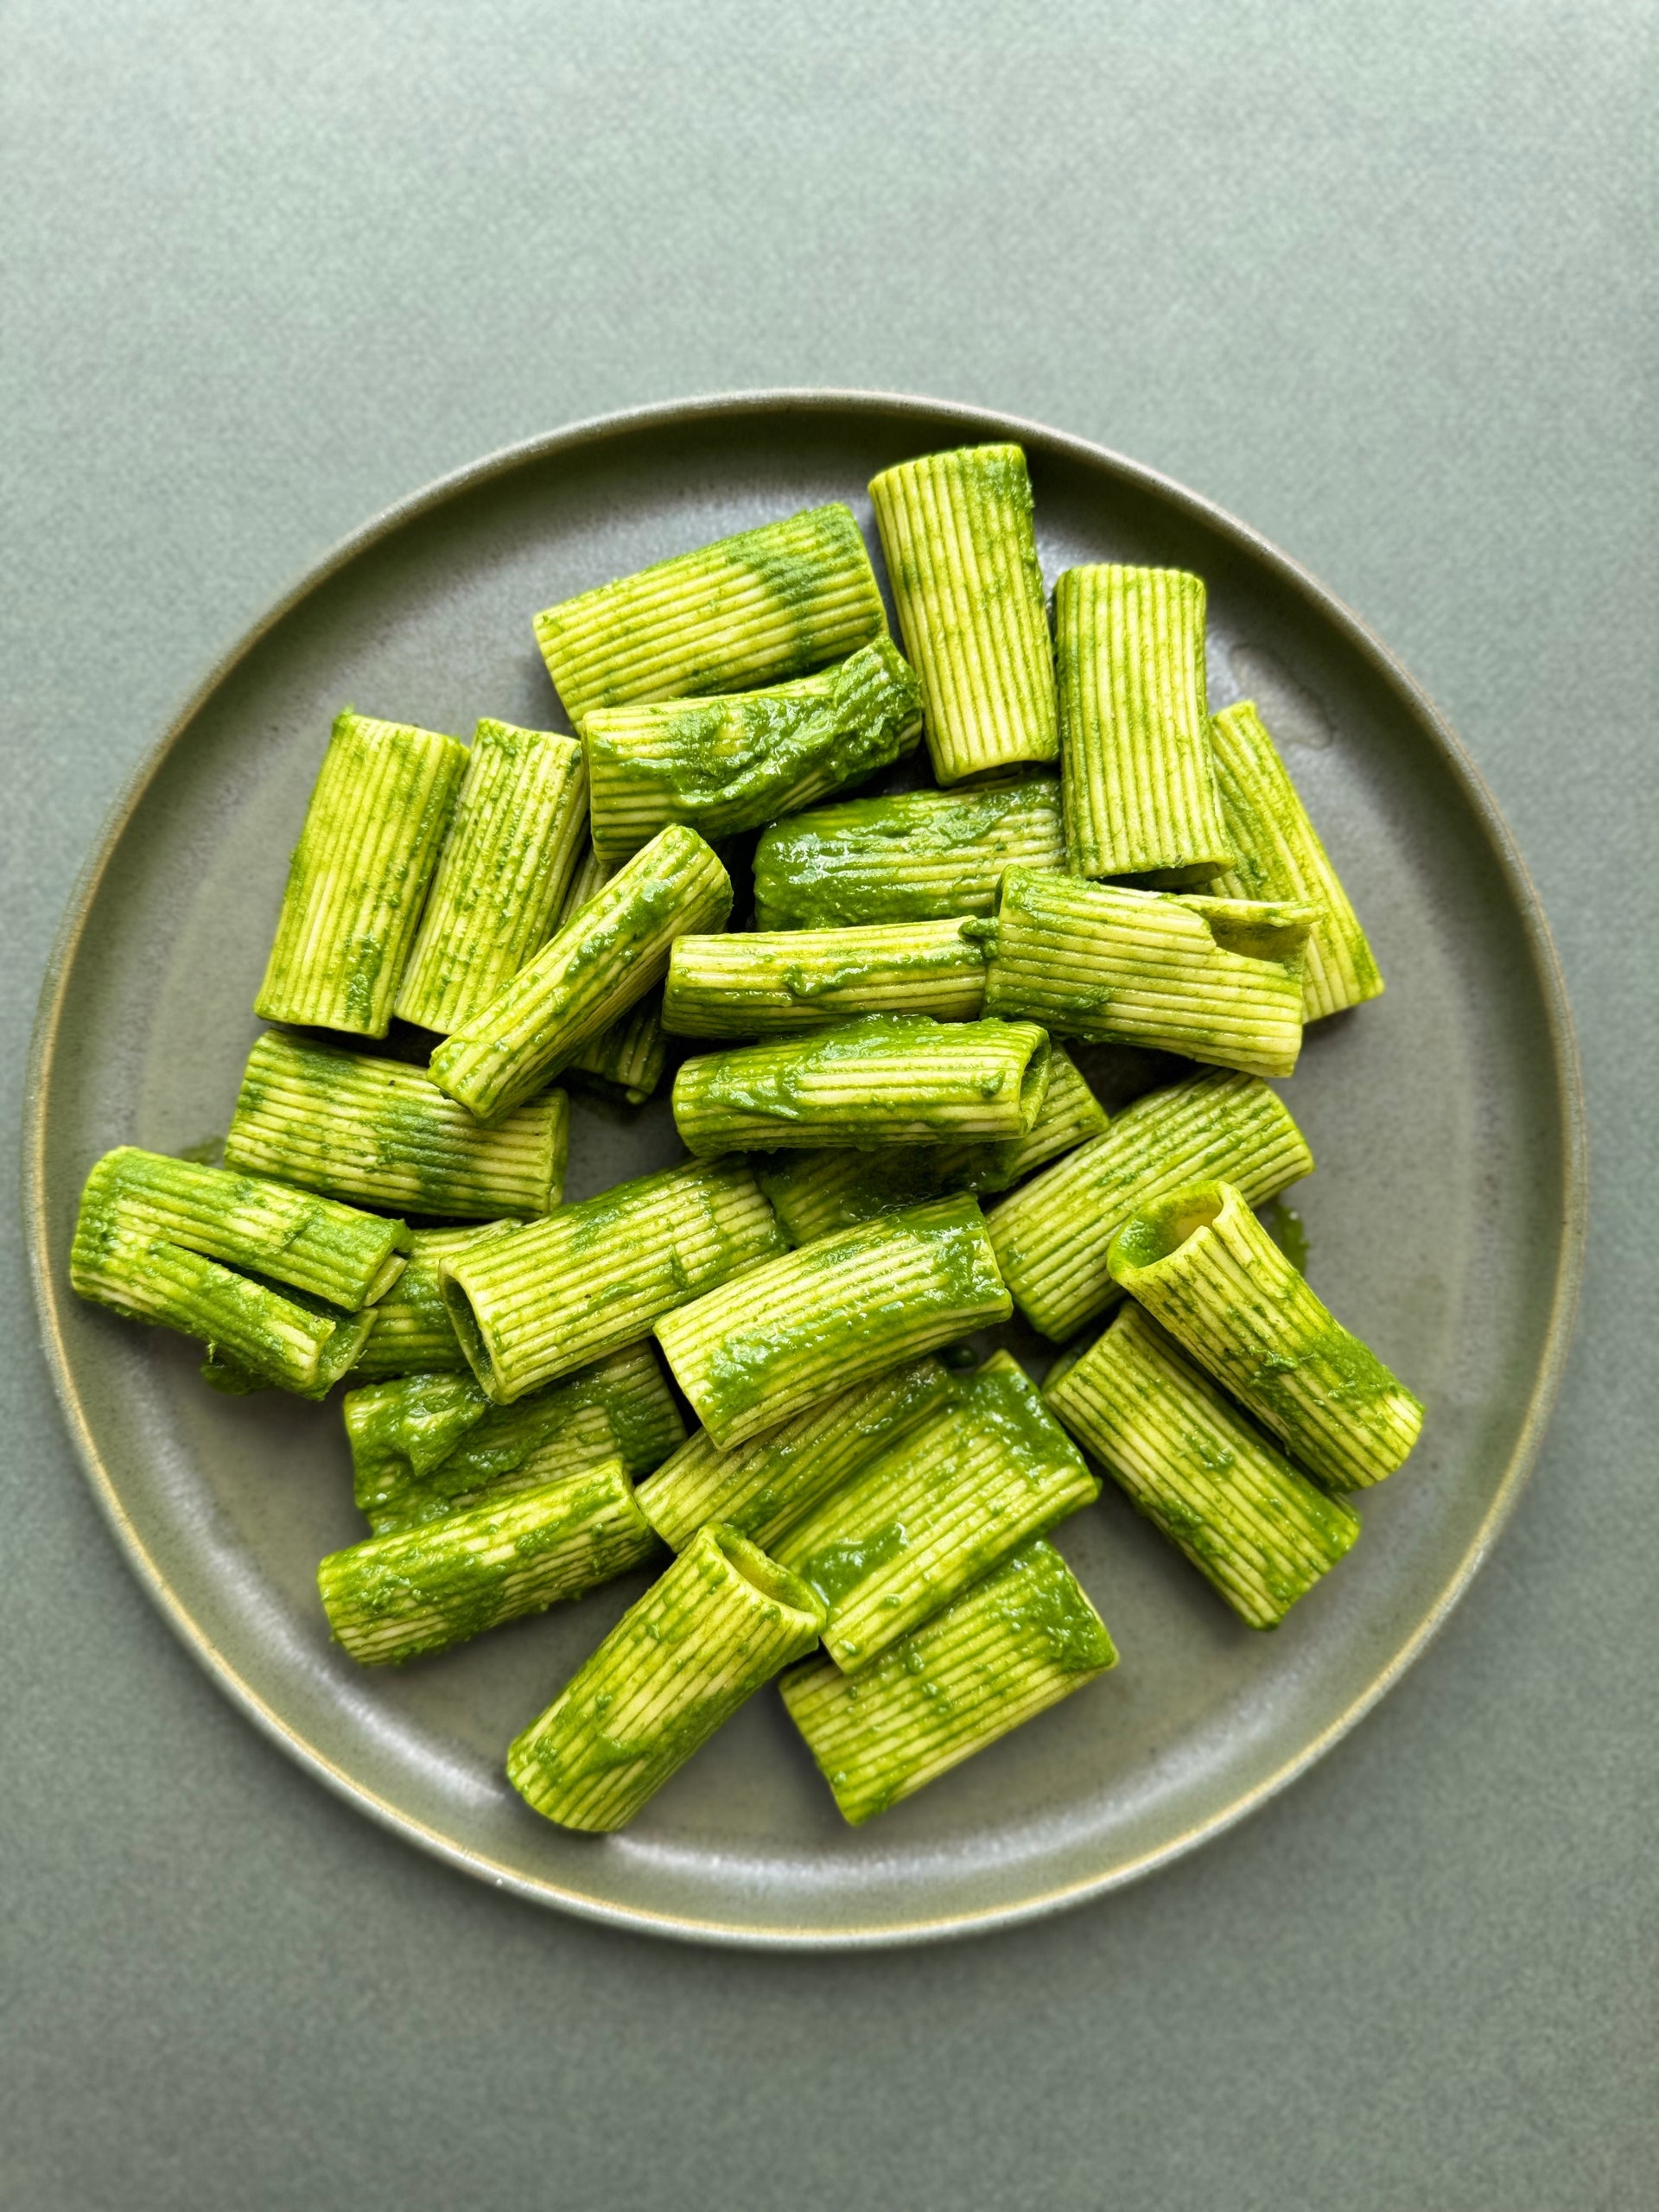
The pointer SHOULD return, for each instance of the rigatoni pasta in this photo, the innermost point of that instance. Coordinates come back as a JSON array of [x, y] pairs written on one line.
[[1219, 980], [1052, 1238], [1203, 1265], [750, 984], [372, 832], [935, 1512], [718, 1625], [593, 1276], [512, 847], [885, 1079], [723, 765], [1277, 854], [1139, 787], [909, 857], [1254, 1526], [768, 603], [791, 1334], [1006, 1650], [958, 533], [424, 1588], [380, 1133], [610, 952]]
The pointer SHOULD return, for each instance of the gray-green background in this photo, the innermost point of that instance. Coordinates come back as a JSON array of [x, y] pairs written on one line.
[[1379, 280]]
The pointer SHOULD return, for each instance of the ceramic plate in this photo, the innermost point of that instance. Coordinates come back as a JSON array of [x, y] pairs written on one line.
[[1444, 1221]]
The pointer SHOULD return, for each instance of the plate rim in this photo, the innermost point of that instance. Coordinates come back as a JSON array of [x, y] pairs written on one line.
[[977, 422]]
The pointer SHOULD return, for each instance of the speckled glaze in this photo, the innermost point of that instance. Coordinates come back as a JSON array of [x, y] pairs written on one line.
[[1445, 1222]]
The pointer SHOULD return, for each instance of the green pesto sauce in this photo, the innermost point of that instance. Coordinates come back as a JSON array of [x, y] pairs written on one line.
[[837, 1568], [1038, 1598]]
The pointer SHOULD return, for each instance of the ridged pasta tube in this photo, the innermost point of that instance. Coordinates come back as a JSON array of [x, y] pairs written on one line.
[[1277, 854], [804, 1327], [751, 609], [268, 1339], [912, 856], [425, 1446], [1255, 1527], [343, 1256], [960, 540], [372, 832], [721, 1622], [410, 1330], [762, 1487], [1140, 790], [1051, 1237], [593, 1276], [997, 1656], [885, 1079], [628, 1060], [723, 766], [512, 851], [750, 984], [1203, 1266], [425, 1588], [609, 954], [1218, 979], [815, 1194], [937, 1511], [381, 1132]]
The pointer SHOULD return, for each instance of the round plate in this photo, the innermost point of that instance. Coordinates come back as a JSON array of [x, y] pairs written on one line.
[[1444, 1223]]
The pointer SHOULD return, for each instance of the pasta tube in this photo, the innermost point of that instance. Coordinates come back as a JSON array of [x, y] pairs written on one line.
[[423, 1589], [912, 856], [789, 1335], [997, 1656], [719, 1623], [381, 1132], [533, 1305], [752, 609], [509, 857], [959, 532], [426, 1446], [723, 766], [606, 956], [373, 831], [815, 1194], [1218, 979], [267, 1339], [1258, 1530], [762, 1487], [1279, 856], [334, 1252], [411, 1331], [1203, 1265], [752, 985], [627, 1060], [1051, 1238], [885, 1079], [935, 1512], [1141, 797]]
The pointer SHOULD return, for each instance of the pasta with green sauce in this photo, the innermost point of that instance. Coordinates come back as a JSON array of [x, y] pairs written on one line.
[[760, 1370]]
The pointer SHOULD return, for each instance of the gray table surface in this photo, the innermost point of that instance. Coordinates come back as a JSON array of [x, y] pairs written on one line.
[[1374, 278]]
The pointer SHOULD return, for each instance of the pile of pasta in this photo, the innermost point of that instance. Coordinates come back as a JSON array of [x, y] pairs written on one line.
[[864, 1507]]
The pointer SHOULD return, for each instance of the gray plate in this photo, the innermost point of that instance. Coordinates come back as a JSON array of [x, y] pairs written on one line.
[[1445, 1222]]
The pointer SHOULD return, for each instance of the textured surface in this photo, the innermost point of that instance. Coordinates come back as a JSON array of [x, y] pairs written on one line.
[[1399, 329]]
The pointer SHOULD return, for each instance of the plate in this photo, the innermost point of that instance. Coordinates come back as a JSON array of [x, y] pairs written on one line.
[[1444, 1221]]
